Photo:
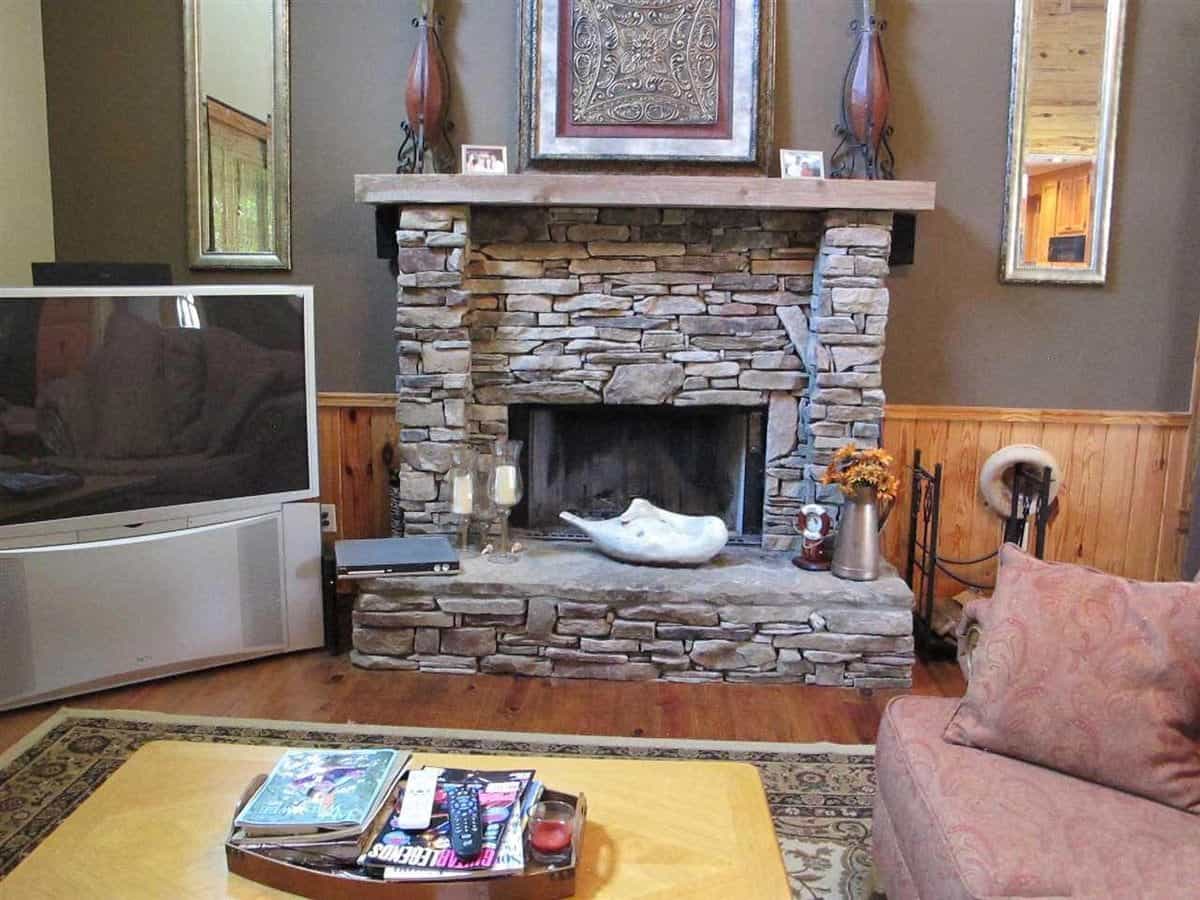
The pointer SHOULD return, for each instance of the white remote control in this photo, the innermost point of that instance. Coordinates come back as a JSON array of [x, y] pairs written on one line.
[[416, 808]]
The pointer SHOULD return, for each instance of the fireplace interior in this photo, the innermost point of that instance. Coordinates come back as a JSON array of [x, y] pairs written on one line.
[[593, 460]]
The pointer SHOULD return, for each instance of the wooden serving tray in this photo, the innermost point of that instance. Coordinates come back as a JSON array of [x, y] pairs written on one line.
[[537, 883]]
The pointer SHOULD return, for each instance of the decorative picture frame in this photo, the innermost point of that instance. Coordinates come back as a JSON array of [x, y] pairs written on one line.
[[801, 163], [647, 84], [484, 159]]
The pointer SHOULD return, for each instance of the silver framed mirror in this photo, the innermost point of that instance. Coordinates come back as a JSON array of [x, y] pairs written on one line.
[[237, 96], [1062, 132]]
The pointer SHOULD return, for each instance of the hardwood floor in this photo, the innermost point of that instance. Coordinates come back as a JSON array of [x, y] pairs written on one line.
[[314, 686]]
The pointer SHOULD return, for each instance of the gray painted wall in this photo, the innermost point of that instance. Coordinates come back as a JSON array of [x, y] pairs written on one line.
[[957, 336], [26, 209]]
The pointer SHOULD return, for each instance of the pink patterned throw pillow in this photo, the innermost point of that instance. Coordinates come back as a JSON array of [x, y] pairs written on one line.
[[1093, 675]]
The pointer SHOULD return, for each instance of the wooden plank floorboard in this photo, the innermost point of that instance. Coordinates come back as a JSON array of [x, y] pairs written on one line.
[[314, 686]]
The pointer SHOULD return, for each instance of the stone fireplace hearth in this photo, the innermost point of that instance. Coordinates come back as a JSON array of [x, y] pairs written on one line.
[[659, 293], [565, 611]]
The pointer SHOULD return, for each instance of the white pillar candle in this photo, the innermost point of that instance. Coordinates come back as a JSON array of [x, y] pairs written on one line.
[[505, 493], [463, 502]]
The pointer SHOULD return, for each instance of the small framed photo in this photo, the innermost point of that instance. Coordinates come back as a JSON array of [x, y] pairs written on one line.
[[802, 163], [481, 160]]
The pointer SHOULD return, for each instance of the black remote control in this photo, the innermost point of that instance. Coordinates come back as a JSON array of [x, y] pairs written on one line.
[[466, 829]]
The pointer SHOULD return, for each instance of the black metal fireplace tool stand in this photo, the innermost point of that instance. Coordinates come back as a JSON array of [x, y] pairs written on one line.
[[1030, 495]]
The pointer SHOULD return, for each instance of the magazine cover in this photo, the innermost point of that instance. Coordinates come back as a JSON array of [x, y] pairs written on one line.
[[316, 789], [406, 853], [510, 855]]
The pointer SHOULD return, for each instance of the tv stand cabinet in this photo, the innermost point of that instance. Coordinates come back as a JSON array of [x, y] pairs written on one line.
[[78, 617]]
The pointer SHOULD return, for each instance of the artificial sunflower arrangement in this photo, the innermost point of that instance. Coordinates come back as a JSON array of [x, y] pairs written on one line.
[[853, 468]]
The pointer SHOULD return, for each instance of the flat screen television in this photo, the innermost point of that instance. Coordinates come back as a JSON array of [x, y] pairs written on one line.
[[123, 406]]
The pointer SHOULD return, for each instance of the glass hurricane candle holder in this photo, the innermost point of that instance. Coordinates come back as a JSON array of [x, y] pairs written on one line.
[[485, 509], [462, 492], [506, 488]]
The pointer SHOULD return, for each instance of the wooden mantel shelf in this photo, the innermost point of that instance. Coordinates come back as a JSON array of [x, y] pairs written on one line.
[[714, 191]]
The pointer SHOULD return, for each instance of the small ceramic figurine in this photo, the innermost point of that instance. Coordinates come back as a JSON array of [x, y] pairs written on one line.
[[816, 550]]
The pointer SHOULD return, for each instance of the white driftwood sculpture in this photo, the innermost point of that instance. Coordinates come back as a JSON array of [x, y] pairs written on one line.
[[646, 534]]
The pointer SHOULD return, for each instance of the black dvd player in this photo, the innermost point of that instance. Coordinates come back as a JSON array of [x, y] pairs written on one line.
[[426, 555]]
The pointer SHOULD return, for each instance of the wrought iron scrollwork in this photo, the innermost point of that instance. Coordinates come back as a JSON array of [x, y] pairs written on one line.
[[1030, 498], [415, 146]]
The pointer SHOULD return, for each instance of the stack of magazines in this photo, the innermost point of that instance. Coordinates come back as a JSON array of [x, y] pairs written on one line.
[[320, 808], [505, 799]]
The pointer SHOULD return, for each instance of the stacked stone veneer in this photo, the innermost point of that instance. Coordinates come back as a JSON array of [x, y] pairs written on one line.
[[566, 611], [783, 310]]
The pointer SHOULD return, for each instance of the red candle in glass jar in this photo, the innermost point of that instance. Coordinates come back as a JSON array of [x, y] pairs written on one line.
[[550, 836]]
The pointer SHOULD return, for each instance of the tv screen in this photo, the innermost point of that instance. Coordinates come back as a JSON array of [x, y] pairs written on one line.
[[122, 400]]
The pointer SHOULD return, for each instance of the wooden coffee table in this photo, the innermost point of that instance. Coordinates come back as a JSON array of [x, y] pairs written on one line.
[[655, 829]]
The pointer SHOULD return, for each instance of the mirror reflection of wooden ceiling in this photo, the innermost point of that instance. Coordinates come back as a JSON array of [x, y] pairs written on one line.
[[1064, 74]]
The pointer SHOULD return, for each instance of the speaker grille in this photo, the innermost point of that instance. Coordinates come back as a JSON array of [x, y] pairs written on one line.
[[16, 636], [260, 574]]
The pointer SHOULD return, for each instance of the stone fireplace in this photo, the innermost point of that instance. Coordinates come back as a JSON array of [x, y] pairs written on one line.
[[743, 300]]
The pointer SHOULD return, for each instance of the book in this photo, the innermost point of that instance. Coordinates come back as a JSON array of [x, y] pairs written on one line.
[[336, 792], [316, 854], [323, 849], [410, 855]]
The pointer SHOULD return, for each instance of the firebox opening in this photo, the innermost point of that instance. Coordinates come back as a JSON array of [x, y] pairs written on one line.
[[593, 460]]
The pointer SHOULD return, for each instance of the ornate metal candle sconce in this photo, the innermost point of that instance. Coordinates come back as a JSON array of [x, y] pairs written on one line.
[[866, 97], [426, 147]]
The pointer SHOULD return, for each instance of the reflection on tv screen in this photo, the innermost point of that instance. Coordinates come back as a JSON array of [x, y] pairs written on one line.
[[116, 404]]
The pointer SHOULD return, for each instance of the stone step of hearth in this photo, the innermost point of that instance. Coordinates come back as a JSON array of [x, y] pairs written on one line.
[[564, 610], [576, 573]]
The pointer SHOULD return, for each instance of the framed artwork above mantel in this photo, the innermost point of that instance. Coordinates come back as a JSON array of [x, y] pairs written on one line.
[[656, 84]]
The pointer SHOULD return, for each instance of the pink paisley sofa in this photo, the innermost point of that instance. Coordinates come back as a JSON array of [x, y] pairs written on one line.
[[954, 821]]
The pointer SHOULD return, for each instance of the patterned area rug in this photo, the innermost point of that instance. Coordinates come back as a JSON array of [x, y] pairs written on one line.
[[820, 794]]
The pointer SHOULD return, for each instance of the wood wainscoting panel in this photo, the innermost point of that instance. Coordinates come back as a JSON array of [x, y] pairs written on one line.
[[352, 431], [1119, 504]]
